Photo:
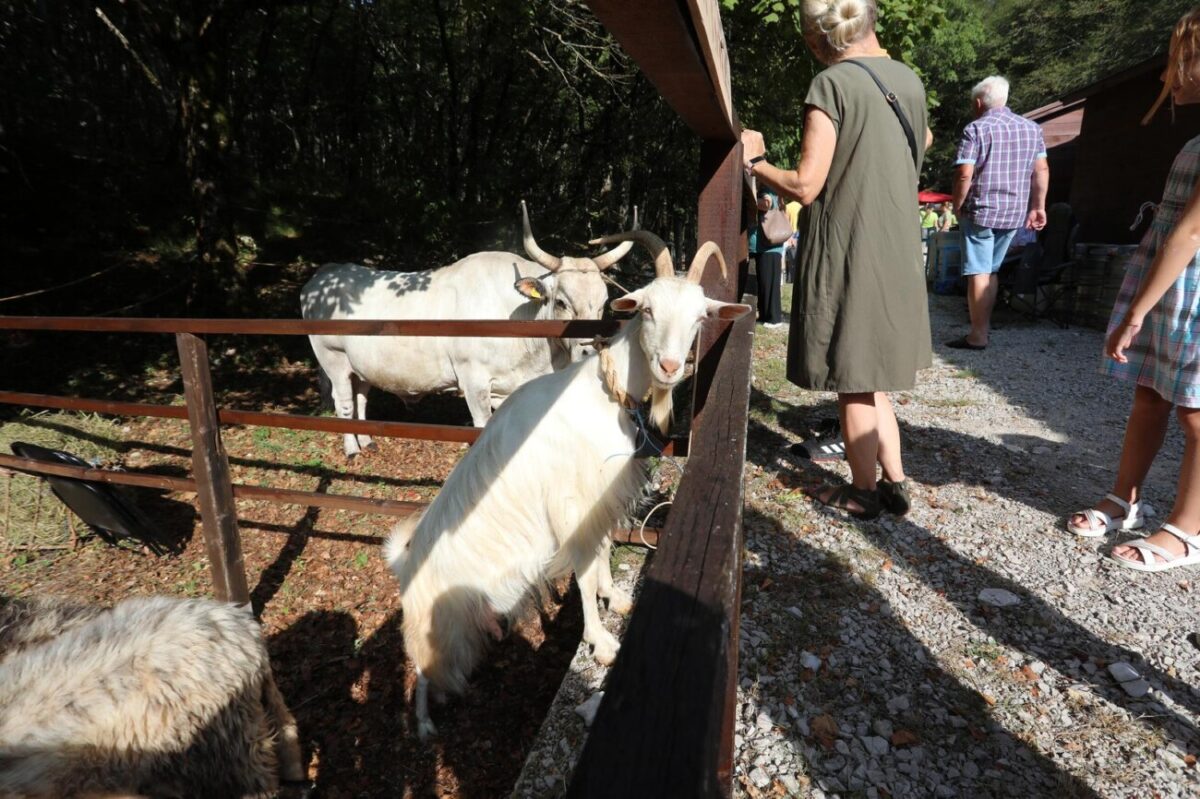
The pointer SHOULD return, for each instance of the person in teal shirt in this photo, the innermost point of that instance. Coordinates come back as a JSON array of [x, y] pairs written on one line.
[[769, 265]]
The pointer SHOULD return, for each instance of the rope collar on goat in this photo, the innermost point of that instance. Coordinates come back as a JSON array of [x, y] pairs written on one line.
[[612, 383]]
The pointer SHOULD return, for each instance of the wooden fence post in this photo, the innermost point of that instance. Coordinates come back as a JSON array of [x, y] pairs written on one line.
[[719, 219], [214, 489]]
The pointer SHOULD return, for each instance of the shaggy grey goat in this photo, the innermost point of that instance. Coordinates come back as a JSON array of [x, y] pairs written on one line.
[[156, 696]]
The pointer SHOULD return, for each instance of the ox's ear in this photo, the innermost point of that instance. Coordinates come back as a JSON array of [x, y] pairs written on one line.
[[629, 303], [532, 288], [725, 310]]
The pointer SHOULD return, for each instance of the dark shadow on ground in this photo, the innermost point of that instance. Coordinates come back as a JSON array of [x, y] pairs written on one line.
[[351, 699], [894, 679], [1034, 627]]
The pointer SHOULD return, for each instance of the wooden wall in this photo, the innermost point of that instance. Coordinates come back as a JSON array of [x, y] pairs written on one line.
[[1119, 163]]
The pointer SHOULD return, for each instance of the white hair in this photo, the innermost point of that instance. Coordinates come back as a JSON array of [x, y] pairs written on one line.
[[992, 90], [840, 22]]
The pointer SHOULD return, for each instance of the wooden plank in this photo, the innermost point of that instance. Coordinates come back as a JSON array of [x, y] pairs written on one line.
[[665, 726], [284, 496], [470, 328], [214, 490], [720, 219], [327, 424], [706, 19], [661, 40]]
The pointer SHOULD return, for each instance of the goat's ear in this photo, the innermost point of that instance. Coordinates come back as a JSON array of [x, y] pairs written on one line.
[[627, 304], [532, 288], [726, 310]]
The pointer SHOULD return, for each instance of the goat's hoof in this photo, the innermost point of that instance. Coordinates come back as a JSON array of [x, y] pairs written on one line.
[[619, 601], [425, 729], [605, 650]]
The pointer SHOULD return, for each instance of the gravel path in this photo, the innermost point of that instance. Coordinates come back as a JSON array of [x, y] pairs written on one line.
[[972, 648]]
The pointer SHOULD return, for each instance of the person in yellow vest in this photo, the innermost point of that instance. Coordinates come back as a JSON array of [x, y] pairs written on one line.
[[792, 210], [947, 220]]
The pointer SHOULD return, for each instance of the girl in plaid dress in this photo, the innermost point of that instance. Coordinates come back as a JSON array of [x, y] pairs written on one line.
[[1154, 341]]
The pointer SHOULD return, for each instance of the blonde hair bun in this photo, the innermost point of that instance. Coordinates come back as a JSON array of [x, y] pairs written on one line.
[[840, 22]]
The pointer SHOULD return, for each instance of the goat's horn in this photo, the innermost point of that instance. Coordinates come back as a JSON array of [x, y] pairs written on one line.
[[706, 251], [605, 260], [656, 246], [532, 249]]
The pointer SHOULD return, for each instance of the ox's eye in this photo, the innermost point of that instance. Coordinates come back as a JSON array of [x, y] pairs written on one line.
[[561, 303]]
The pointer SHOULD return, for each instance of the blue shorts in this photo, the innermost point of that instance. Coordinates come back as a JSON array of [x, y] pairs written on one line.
[[984, 247]]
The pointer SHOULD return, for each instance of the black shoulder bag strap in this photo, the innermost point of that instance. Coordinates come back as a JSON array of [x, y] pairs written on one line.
[[894, 102]]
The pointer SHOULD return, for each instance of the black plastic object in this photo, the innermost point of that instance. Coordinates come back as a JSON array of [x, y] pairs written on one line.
[[97, 504]]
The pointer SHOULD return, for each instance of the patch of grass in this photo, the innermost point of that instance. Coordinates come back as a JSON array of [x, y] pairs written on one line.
[[984, 651], [361, 559], [966, 374], [262, 439], [30, 515]]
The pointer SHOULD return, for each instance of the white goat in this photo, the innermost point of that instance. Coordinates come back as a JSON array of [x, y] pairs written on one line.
[[539, 492], [481, 286], [157, 696]]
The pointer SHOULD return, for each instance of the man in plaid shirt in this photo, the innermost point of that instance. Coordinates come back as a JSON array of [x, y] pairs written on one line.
[[1000, 186]]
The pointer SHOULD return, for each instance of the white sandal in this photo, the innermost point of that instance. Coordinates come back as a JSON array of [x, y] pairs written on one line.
[[1170, 560], [1134, 518]]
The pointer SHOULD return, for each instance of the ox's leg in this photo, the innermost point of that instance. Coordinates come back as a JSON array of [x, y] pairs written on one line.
[[425, 726], [343, 406], [478, 394], [360, 388], [291, 764], [618, 599], [336, 367], [604, 644]]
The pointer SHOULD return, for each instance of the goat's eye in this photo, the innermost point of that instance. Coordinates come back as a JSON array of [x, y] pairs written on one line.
[[647, 313], [561, 303]]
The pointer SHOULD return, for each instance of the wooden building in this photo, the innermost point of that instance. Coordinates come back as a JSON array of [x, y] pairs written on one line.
[[1102, 160]]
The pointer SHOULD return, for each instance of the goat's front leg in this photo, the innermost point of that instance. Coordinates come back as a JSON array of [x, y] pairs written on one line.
[[618, 599], [604, 644], [425, 726], [291, 764]]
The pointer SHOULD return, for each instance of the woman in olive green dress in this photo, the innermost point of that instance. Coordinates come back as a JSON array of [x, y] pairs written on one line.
[[860, 317]]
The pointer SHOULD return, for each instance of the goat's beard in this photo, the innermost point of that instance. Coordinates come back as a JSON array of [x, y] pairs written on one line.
[[661, 406]]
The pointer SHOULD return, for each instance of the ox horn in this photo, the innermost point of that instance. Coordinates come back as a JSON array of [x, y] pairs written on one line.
[[657, 247], [706, 251], [605, 260], [532, 249]]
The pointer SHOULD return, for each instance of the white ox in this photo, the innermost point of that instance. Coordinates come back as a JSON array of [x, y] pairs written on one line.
[[481, 286]]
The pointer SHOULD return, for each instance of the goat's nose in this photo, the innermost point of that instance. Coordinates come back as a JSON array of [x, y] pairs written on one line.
[[669, 366]]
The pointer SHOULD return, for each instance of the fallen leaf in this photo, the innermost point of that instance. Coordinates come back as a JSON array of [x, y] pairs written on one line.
[[1027, 674], [904, 738], [765, 584], [991, 700], [825, 728], [887, 565], [1189, 760]]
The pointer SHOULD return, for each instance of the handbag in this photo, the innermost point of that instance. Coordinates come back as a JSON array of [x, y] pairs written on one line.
[[894, 102], [776, 226]]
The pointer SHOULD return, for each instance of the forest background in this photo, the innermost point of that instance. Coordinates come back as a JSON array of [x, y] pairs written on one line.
[[201, 134]]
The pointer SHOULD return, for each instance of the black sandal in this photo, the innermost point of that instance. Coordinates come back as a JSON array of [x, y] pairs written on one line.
[[894, 497], [843, 495]]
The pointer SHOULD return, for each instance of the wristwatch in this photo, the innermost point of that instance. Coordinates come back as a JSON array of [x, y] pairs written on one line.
[[756, 159]]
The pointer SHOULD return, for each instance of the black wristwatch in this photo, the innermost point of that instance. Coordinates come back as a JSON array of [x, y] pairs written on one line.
[[756, 159]]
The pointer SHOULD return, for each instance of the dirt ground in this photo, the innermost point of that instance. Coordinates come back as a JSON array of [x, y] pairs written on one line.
[[329, 608], [328, 605]]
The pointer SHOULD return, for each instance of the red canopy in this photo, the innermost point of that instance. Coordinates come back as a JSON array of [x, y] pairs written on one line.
[[928, 196]]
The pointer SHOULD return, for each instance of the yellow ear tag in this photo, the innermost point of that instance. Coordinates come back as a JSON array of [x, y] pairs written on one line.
[[535, 294]]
